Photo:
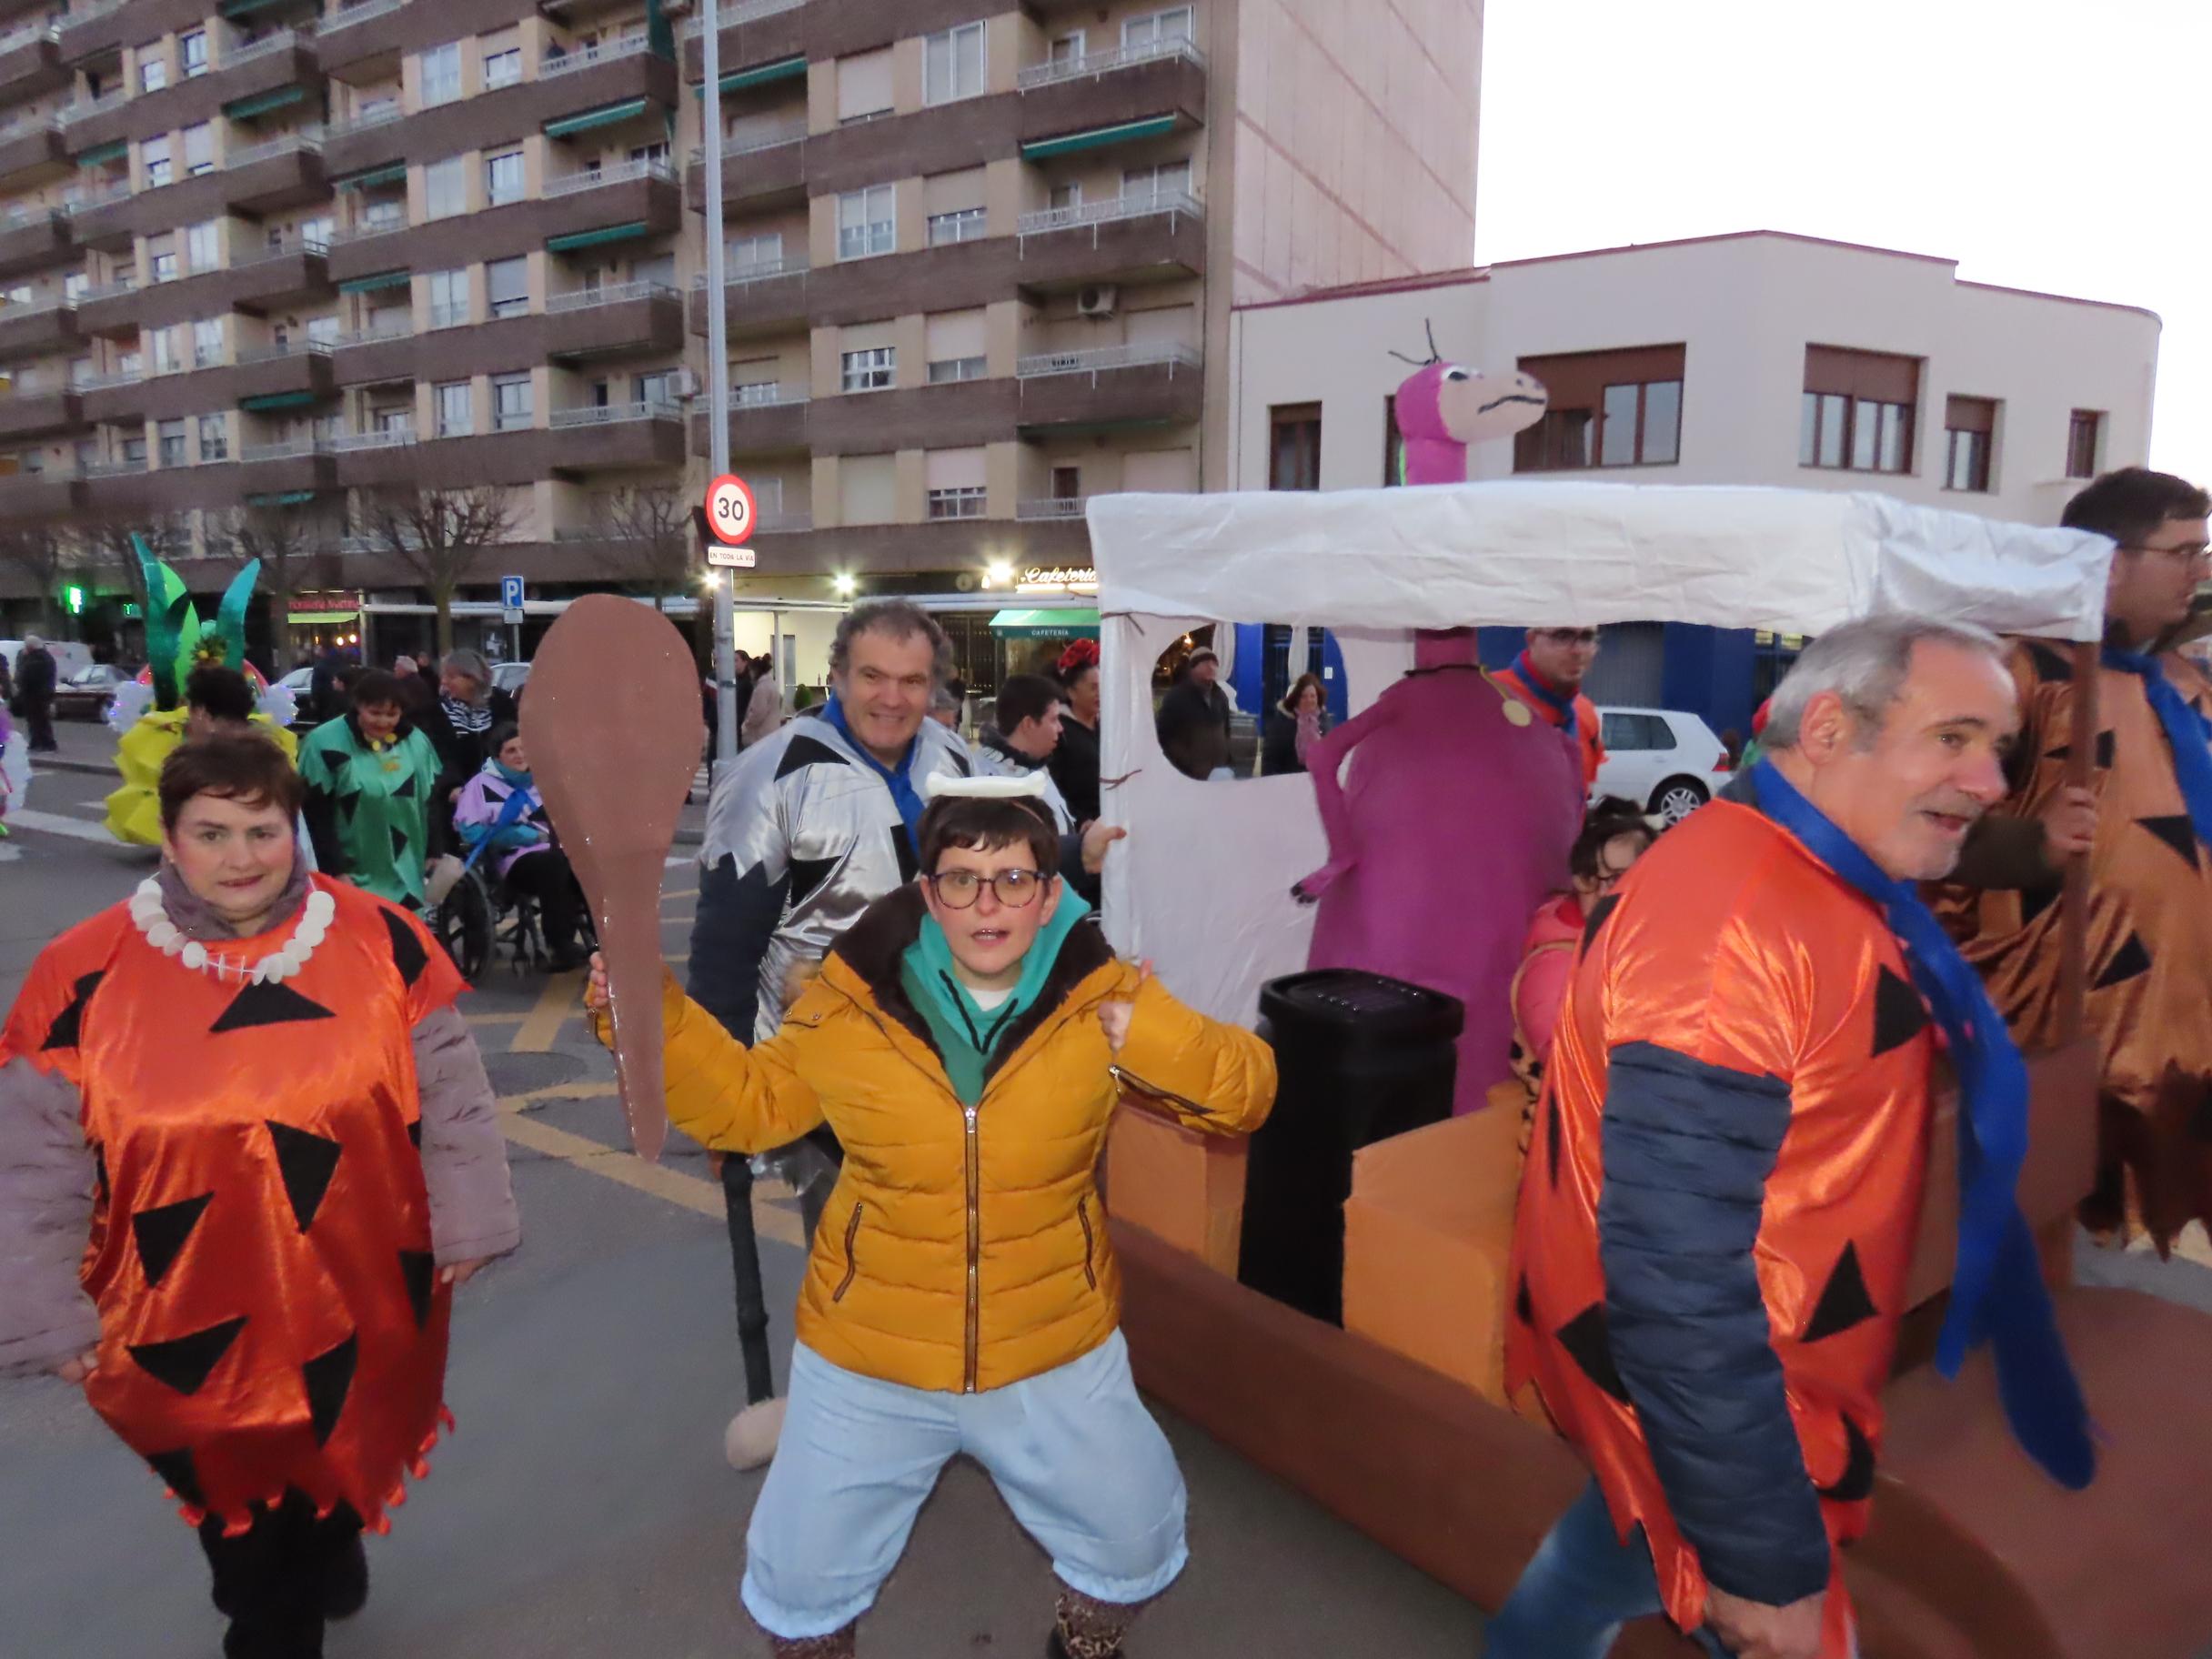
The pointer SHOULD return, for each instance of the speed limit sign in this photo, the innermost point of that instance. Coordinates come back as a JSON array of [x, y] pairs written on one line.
[[730, 516]]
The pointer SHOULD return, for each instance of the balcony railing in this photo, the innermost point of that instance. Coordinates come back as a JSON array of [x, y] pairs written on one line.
[[27, 33], [754, 142], [376, 115], [1107, 212], [621, 172], [106, 290], [764, 394], [1044, 509], [1090, 63], [363, 233], [11, 313], [15, 219], [284, 451], [349, 16], [292, 247], [783, 523], [106, 383], [309, 141], [94, 12], [609, 414], [266, 46], [112, 469], [92, 199], [730, 16], [279, 349], [398, 329], [389, 438], [762, 270], [611, 294], [584, 57], [1105, 359], [94, 107], [18, 124]]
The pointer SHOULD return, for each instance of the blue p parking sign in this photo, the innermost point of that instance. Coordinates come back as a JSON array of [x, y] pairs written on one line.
[[511, 593]]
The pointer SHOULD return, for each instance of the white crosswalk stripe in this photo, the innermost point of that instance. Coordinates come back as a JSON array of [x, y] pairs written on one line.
[[54, 823]]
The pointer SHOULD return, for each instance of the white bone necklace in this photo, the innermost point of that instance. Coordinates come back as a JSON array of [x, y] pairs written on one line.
[[164, 935]]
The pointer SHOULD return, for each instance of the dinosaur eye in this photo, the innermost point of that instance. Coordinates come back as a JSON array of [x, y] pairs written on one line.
[[1456, 374]]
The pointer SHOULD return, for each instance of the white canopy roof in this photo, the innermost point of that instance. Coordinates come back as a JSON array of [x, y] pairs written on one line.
[[1525, 553]]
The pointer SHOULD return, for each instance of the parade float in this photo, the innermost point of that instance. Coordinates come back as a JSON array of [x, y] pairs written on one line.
[[1397, 1418]]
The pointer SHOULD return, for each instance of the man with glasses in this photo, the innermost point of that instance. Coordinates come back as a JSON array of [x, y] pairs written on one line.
[[1548, 677], [2144, 827]]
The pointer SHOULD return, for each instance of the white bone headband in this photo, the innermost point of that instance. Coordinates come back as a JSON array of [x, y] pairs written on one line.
[[941, 786]]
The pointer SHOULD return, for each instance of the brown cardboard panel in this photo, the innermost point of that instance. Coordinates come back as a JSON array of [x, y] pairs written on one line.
[[1182, 1187]]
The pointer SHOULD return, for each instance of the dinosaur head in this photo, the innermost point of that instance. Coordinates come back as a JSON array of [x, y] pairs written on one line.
[[1445, 407]]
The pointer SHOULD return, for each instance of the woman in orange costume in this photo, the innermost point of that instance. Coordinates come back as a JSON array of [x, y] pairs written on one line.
[[240, 1110]]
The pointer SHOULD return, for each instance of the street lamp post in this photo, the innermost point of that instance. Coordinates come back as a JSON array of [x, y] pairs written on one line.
[[718, 380]]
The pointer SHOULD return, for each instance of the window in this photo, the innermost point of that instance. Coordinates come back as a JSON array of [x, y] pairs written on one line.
[[953, 480], [1969, 431], [214, 439], [322, 330], [1066, 196], [1608, 408], [202, 246], [865, 222], [441, 75], [510, 402], [448, 298], [952, 65], [1068, 481], [754, 393], [199, 150], [647, 154], [657, 388], [80, 370], [1857, 411], [455, 413], [1150, 184], [503, 178], [162, 265], [392, 418], [872, 370], [165, 347], [750, 252], [172, 436], [1635, 733], [134, 452], [152, 69], [192, 50], [966, 502], [444, 188], [154, 157], [958, 368], [507, 286], [864, 85], [73, 285], [968, 225], [1158, 29], [502, 68], [208, 342], [2085, 441], [957, 342], [1067, 48], [1293, 454]]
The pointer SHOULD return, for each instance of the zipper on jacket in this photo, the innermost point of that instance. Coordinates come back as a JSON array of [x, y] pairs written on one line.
[[975, 1249], [1083, 1214], [1129, 1080], [852, 1266]]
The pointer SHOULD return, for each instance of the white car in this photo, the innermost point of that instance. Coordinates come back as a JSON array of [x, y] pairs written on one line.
[[1666, 762]]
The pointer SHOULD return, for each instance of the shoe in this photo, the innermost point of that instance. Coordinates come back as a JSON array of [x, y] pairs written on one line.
[[345, 1587], [564, 962], [753, 1433]]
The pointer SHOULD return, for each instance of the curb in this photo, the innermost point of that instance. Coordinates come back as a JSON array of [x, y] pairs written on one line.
[[48, 763]]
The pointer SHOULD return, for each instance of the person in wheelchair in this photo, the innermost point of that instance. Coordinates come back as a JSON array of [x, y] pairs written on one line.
[[501, 812]]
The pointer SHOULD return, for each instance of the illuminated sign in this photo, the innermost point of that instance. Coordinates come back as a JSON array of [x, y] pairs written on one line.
[[1058, 578]]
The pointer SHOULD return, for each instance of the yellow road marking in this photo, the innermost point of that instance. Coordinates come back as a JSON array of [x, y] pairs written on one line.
[[507, 1017], [624, 1167], [682, 892], [585, 1088], [542, 1025]]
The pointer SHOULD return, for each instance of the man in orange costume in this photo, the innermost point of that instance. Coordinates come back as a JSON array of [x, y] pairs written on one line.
[[1548, 677], [2150, 875], [1721, 1199]]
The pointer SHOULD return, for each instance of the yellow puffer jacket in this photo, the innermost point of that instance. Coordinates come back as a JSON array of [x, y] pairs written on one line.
[[962, 1250]]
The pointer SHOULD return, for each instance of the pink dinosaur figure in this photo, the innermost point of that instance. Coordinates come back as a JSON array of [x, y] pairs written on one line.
[[1454, 821]]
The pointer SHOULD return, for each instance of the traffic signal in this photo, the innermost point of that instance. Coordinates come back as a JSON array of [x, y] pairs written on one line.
[[73, 599]]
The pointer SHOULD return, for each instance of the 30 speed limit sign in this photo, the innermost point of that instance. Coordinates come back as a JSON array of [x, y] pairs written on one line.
[[731, 515]]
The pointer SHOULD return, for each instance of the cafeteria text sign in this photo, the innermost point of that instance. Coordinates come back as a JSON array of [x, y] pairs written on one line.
[[1058, 578]]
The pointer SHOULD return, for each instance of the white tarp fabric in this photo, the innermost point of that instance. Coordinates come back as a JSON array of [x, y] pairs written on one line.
[[1202, 886]]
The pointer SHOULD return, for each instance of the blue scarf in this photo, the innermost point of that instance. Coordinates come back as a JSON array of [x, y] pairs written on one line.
[[904, 795], [2186, 732], [1564, 706], [1998, 1291]]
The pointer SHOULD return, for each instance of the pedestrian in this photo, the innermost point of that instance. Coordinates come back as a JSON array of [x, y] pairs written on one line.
[[1024, 734], [1293, 728], [814, 823], [370, 778], [35, 677], [1548, 677], [1614, 835], [517, 840], [469, 706], [1720, 1207], [1193, 720], [921, 1337], [326, 694], [251, 1153], [764, 710], [945, 709], [1075, 763]]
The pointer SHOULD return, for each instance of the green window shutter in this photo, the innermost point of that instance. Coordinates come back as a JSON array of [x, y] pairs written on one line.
[[1099, 137]]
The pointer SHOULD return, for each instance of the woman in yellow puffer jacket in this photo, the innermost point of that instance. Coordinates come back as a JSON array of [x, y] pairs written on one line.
[[968, 1039]]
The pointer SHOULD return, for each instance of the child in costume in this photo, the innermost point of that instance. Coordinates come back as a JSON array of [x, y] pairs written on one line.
[[1613, 837], [374, 804], [968, 1038]]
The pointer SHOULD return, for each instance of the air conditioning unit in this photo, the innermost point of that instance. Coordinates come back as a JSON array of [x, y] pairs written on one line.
[[687, 383], [1098, 300]]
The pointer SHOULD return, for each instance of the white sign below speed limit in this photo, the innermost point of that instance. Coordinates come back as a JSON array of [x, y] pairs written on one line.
[[730, 516]]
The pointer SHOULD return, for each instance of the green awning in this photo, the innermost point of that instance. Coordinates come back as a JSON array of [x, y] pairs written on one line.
[[396, 173], [301, 616], [1070, 623], [277, 400], [762, 75], [261, 102], [595, 238], [300, 498], [1098, 138], [246, 8], [606, 115], [100, 155], [369, 284]]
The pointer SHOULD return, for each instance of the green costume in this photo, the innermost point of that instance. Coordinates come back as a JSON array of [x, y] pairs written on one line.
[[369, 805]]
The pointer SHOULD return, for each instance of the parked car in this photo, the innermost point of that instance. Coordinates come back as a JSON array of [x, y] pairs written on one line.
[[86, 693], [510, 676], [69, 655], [1669, 761]]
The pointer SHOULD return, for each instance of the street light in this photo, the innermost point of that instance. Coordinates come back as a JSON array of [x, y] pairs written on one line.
[[998, 574], [845, 585], [711, 581]]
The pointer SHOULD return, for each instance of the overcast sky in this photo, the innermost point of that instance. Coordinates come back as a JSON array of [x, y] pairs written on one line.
[[2042, 145]]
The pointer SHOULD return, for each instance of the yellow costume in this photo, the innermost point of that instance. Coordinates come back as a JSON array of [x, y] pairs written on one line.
[[134, 811]]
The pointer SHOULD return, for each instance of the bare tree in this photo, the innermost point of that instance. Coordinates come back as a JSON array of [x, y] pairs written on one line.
[[42, 553], [439, 537], [283, 541], [651, 528]]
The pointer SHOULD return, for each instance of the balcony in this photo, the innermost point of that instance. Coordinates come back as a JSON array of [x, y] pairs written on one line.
[[599, 178], [773, 422], [119, 396], [589, 57], [38, 414], [1050, 509], [101, 217], [351, 16], [283, 40], [949, 415], [753, 32], [91, 30], [29, 145], [1093, 65], [297, 270], [1115, 386], [292, 464], [764, 171], [109, 308], [44, 325], [348, 236], [38, 496], [31, 237], [619, 317], [286, 172], [1131, 239], [372, 459], [96, 122], [756, 299], [296, 372], [381, 114], [31, 61], [619, 435]]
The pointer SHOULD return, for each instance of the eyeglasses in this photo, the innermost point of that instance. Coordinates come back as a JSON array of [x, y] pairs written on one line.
[[2196, 553], [958, 889], [1569, 635]]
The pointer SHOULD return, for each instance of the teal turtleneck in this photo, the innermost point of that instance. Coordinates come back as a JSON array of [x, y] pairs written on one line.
[[967, 1034]]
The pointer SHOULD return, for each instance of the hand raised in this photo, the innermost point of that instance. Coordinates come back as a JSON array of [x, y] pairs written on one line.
[[1115, 1016], [595, 989]]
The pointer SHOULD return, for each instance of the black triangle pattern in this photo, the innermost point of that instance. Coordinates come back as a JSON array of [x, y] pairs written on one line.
[[1585, 1339], [418, 1268], [1523, 1305], [1599, 913], [1899, 1015], [415, 1134], [807, 877], [902, 845], [804, 752], [1855, 1485], [408, 953], [1551, 1140], [399, 842], [68, 1028], [405, 790], [179, 1476], [183, 1362], [959, 763], [307, 1162], [2130, 961], [161, 1233], [2034, 900], [348, 804], [1844, 1303], [2050, 665], [268, 1004], [330, 1379], [2179, 833]]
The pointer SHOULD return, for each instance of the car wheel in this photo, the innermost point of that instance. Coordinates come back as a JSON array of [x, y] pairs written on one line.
[[1677, 798]]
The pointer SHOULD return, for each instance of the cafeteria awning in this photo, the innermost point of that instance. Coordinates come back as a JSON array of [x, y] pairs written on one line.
[[1070, 622]]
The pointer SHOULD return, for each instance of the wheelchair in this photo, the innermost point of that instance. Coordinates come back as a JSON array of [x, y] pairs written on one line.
[[484, 920]]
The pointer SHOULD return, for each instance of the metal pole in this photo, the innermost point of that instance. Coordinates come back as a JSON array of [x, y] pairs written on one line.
[[718, 380]]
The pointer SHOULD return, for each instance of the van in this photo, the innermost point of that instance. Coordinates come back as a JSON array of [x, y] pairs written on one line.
[[69, 656]]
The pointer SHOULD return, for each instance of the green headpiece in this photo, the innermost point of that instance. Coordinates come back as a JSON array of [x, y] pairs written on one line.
[[176, 642]]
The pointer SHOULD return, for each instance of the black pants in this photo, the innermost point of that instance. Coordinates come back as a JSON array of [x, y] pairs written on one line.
[[38, 716], [277, 1581], [545, 877]]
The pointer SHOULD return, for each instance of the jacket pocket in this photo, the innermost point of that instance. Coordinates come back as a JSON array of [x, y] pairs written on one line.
[[852, 1266], [1090, 1244]]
